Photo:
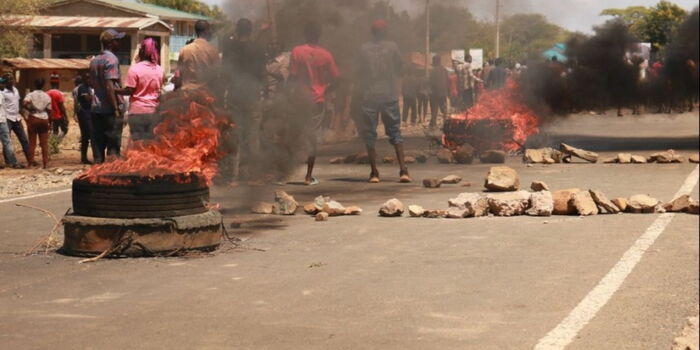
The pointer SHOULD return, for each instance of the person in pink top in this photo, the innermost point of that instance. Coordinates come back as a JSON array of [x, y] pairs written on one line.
[[143, 83], [314, 74]]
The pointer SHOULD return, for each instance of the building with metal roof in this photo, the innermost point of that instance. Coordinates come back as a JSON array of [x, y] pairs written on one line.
[[182, 23]]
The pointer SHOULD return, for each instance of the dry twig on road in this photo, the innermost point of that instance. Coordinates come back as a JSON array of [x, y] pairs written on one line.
[[49, 240]]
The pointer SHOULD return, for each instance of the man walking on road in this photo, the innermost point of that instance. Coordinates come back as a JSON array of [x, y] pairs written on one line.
[[378, 68], [11, 103], [107, 112], [313, 74]]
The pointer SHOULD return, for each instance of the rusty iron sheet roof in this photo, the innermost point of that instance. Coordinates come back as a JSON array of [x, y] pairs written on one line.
[[47, 63], [79, 22]]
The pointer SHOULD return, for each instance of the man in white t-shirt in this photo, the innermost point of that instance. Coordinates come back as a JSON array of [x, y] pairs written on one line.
[[11, 101], [8, 150]]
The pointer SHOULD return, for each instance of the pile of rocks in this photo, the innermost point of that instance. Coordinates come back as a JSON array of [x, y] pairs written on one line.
[[466, 154], [506, 199], [566, 152], [322, 207]]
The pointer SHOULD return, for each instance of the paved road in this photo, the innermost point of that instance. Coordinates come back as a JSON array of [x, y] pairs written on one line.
[[368, 282]]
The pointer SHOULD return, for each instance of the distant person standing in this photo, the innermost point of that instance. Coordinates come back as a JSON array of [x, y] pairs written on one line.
[[439, 90], [59, 117], [313, 74], [82, 95], [54, 80], [38, 105], [423, 99], [497, 77], [470, 80], [245, 59], [11, 103], [197, 58], [143, 83], [409, 89], [107, 113], [8, 151], [378, 67]]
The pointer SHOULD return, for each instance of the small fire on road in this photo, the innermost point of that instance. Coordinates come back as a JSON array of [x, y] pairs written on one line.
[[499, 120]]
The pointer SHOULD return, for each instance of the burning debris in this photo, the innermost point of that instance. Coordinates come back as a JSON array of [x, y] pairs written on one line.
[[186, 142], [499, 120]]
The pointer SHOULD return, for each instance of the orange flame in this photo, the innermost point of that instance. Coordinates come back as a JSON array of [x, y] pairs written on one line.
[[186, 142], [502, 106]]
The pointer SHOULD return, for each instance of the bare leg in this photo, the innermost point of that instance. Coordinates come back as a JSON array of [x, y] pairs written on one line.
[[310, 169], [403, 170], [374, 172]]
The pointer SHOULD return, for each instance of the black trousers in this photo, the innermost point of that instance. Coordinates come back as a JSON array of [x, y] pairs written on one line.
[[410, 106], [60, 124], [85, 124], [106, 136], [437, 104], [468, 98], [18, 129]]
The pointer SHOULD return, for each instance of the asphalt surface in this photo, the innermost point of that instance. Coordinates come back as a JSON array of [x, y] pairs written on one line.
[[376, 283]]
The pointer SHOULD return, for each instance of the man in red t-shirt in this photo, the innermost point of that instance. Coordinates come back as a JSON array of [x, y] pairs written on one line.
[[313, 74], [58, 113]]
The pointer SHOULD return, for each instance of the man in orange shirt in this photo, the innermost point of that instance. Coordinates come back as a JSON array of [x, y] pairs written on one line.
[[59, 117], [198, 57]]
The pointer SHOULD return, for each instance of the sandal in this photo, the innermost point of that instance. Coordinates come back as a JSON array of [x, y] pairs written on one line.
[[404, 179], [314, 181], [374, 179]]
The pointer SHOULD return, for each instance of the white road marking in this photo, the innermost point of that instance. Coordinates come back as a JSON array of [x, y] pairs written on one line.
[[34, 196], [564, 333]]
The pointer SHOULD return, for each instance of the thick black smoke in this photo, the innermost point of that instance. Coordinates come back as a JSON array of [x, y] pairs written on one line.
[[605, 71]]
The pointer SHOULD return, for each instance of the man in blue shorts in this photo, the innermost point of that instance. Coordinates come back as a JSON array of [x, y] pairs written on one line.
[[378, 70]]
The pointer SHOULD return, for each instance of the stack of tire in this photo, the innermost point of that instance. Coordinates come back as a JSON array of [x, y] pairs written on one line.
[[140, 198]]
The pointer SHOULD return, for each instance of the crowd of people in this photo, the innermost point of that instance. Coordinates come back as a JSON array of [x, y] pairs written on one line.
[[259, 75], [98, 105]]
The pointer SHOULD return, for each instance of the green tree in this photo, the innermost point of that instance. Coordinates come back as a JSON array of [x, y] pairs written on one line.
[[526, 36], [14, 41], [190, 6], [631, 15], [660, 24]]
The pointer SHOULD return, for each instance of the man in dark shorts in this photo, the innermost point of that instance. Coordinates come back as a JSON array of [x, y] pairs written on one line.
[[107, 113], [313, 74], [378, 68]]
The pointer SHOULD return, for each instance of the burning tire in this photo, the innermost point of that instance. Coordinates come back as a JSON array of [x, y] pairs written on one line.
[[132, 197]]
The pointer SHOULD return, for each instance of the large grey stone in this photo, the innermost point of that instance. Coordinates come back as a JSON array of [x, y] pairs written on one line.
[[509, 204], [541, 204], [584, 203], [603, 202], [392, 208], [502, 178]]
